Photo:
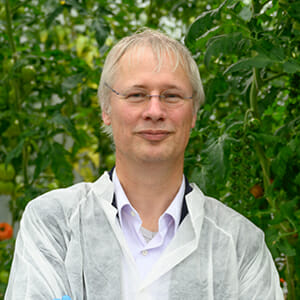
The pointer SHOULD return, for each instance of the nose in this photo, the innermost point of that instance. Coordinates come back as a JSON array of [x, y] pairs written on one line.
[[154, 109]]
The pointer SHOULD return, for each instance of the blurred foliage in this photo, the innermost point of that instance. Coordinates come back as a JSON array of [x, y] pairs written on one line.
[[245, 147], [247, 138]]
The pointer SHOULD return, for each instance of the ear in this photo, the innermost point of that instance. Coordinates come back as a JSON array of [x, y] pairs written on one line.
[[106, 118], [194, 119]]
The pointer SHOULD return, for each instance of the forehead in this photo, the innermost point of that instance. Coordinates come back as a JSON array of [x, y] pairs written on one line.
[[159, 58], [143, 62]]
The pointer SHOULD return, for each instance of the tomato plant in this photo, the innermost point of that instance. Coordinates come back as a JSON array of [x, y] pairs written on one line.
[[7, 173], [250, 122], [247, 134]]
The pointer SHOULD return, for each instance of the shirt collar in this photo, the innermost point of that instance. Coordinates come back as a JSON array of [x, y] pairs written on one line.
[[120, 197], [184, 210], [175, 209]]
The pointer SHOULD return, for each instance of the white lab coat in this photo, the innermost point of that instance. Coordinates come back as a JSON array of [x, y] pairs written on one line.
[[70, 243]]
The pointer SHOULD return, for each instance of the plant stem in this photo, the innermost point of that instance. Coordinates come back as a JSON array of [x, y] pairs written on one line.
[[264, 162], [9, 26], [25, 164], [13, 48], [274, 77], [253, 94], [13, 209], [151, 22], [290, 278], [265, 165], [18, 104]]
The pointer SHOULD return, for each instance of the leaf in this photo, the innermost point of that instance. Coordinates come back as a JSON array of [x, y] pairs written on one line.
[[276, 54], [200, 177], [223, 44], [279, 164], [287, 209], [60, 166], [51, 17], [75, 4], [216, 159], [297, 179], [258, 61], [286, 248], [16, 152], [270, 47], [291, 66], [214, 165], [202, 24], [72, 81], [271, 235], [246, 14], [267, 139], [42, 161], [101, 30], [294, 10], [59, 119], [214, 87], [202, 40], [6, 114]]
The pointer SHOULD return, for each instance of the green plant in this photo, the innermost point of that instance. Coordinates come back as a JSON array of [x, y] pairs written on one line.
[[6, 253], [249, 127], [247, 133]]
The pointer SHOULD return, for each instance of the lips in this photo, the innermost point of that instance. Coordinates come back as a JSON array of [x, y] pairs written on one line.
[[154, 135]]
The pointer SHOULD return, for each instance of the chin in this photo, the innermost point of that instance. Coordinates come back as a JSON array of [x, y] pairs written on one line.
[[156, 156]]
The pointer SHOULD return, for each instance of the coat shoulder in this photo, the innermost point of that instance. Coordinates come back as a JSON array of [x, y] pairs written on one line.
[[64, 202], [230, 222]]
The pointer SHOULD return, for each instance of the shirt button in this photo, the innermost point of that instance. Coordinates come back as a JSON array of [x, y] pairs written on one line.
[[144, 252], [132, 213]]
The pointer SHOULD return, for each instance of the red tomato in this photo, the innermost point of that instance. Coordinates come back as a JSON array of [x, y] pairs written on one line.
[[6, 231], [257, 191]]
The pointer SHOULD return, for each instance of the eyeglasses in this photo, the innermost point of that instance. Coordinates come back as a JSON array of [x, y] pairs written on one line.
[[170, 97]]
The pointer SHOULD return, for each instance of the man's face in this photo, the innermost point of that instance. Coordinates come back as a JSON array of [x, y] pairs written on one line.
[[150, 132]]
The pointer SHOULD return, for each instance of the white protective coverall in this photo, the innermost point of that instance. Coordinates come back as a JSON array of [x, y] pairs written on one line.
[[70, 243]]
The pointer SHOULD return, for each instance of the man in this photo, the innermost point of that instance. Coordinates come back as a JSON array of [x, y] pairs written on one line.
[[142, 231]]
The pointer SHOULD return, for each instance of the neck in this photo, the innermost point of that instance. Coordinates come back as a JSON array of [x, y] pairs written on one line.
[[150, 187]]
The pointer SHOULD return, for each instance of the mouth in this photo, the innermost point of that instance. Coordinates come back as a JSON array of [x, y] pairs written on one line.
[[154, 135]]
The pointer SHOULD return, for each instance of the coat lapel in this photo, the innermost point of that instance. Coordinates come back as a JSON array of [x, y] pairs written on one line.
[[101, 250], [185, 241]]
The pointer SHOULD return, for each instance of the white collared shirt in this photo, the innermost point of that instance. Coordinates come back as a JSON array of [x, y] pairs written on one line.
[[144, 254]]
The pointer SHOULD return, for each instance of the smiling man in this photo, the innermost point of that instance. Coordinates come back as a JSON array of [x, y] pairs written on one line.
[[142, 231]]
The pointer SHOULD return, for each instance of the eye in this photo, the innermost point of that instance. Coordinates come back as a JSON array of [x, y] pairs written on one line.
[[172, 97], [137, 96]]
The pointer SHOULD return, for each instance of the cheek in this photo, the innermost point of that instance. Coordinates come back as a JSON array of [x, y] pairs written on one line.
[[123, 119], [184, 120]]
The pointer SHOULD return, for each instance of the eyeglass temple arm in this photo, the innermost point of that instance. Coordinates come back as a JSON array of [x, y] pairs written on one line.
[[112, 89]]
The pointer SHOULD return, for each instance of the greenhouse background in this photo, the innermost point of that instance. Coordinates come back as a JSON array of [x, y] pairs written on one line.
[[244, 150]]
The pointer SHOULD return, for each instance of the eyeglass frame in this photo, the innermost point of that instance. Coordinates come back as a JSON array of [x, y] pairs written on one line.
[[161, 97]]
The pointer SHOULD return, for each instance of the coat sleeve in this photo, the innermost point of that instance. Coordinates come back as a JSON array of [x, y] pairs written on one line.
[[258, 275], [38, 270]]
